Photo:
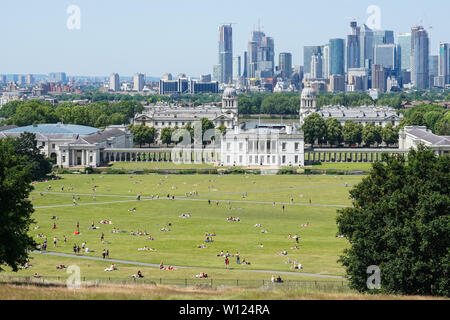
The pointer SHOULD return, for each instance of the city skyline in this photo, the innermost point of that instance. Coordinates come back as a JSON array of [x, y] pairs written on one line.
[[121, 38]]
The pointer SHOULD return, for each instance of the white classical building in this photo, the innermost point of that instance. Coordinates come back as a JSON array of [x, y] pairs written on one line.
[[273, 145], [378, 115], [161, 116], [74, 145], [412, 136]]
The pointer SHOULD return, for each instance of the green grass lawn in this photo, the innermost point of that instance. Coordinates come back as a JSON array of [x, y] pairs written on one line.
[[318, 250], [344, 166]]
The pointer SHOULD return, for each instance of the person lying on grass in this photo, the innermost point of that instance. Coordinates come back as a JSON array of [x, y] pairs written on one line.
[[201, 275]]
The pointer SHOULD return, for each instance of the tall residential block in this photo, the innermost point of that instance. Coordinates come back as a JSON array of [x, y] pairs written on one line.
[[138, 82], [285, 64], [114, 82]]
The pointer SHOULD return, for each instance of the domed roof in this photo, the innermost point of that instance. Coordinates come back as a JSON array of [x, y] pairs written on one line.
[[229, 92], [308, 92]]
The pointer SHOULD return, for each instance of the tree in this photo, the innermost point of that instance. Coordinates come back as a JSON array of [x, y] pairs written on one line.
[[371, 134], [143, 134], [400, 222], [314, 129], [443, 125], [15, 208], [166, 135], [352, 132], [334, 131], [38, 165], [389, 134]]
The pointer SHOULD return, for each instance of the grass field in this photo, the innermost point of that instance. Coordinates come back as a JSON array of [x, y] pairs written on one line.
[[249, 197], [159, 165]]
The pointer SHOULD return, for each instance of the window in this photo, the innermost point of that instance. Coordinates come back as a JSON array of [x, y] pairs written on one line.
[[241, 146], [43, 143], [63, 159], [273, 159], [228, 146], [296, 146], [53, 146], [228, 159], [268, 159], [283, 146], [249, 159], [90, 159], [283, 159], [240, 159], [296, 159]]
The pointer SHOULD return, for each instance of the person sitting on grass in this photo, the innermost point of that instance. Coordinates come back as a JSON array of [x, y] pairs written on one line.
[[161, 266], [111, 268], [61, 266], [201, 275], [201, 246], [36, 275]]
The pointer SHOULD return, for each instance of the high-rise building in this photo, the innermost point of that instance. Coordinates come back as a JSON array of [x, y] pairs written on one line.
[[285, 64], [404, 43], [386, 55], [3, 79], [114, 82], [433, 68], [245, 65], [379, 78], [337, 56], [353, 47], [326, 61], [444, 62], [366, 46], [337, 83], [30, 79], [261, 56], [21, 81], [420, 57], [138, 82], [57, 77], [316, 66], [308, 52], [383, 37], [226, 53], [236, 68], [217, 72]]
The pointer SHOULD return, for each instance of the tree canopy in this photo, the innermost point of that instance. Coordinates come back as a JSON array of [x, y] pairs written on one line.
[[15, 208], [400, 222]]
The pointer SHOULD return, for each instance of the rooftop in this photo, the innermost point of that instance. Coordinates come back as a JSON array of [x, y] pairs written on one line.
[[56, 128]]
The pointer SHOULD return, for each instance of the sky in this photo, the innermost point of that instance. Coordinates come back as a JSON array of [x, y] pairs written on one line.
[[181, 36]]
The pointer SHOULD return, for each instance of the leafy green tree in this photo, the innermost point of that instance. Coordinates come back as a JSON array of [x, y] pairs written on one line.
[[431, 118], [389, 134], [314, 129], [15, 208], [352, 132], [443, 125], [334, 131], [371, 134], [37, 164], [400, 222], [143, 134], [166, 135]]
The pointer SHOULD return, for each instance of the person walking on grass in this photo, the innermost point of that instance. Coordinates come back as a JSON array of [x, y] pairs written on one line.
[[104, 254], [238, 260], [107, 253], [227, 262]]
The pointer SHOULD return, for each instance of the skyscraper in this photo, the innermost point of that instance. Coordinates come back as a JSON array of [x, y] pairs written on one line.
[[379, 78], [326, 61], [114, 82], [353, 47], [433, 68], [337, 57], [226, 53], [404, 43], [386, 55], [261, 56], [245, 65], [444, 62], [316, 66], [308, 52], [138, 82], [383, 37], [236, 68], [420, 57], [366, 46], [285, 64]]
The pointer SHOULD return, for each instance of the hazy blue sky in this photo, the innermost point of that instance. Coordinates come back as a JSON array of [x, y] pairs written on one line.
[[155, 37]]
